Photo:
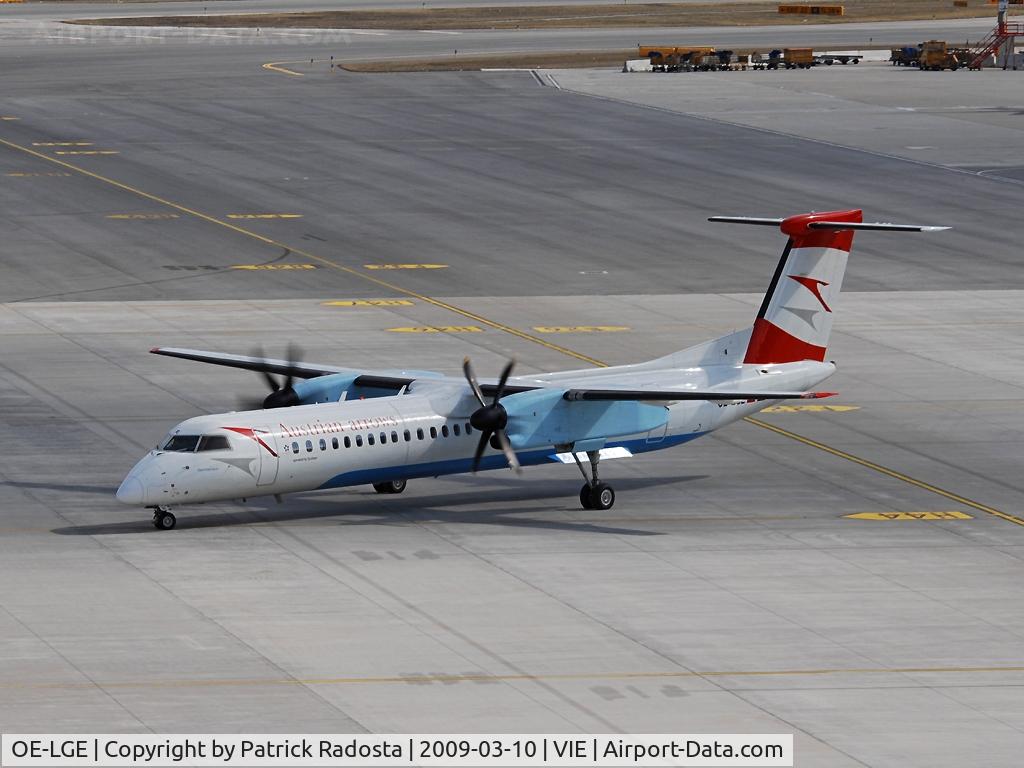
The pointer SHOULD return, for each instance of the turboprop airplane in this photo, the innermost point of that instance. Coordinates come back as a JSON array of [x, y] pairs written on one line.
[[331, 427]]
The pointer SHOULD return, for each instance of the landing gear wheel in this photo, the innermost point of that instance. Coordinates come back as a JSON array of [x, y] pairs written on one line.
[[164, 521], [602, 496], [392, 486], [585, 497]]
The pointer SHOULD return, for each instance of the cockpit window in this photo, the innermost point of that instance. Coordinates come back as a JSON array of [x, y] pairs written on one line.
[[214, 443], [182, 443]]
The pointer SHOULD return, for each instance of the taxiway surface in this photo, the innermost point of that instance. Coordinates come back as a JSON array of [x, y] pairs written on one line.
[[726, 591]]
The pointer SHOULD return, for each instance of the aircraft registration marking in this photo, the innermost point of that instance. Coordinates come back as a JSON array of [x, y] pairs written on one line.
[[274, 267], [405, 266], [810, 408], [143, 216], [438, 329], [942, 515], [581, 328], [369, 303]]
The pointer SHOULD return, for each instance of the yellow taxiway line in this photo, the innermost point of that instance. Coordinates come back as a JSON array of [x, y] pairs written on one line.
[[497, 325], [275, 66]]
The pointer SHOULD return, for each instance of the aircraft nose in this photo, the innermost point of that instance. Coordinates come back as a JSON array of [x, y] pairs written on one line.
[[131, 491]]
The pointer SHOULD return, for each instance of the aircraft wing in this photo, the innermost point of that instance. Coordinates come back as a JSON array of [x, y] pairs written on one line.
[[573, 395], [298, 369]]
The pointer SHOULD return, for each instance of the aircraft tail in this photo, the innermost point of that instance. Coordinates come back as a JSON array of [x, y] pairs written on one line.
[[795, 318]]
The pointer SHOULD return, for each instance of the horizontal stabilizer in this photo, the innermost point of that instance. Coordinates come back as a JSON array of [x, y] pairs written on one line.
[[877, 226], [685, 394]]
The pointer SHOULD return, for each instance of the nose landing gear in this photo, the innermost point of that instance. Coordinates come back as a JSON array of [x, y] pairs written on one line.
[[595, 494], [163, 520]]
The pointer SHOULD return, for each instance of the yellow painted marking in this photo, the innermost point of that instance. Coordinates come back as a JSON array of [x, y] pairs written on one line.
[[890, 473], [950, 515], [8, 117], [393, 287], [479, 678], [405, 266], [581, 328], [961, 500], [86, 152], [264, 215], [143, 216], [61, 143], [810, 408], [438, 329], [275, 66], [27, 174], [369, 303], [276, 267]]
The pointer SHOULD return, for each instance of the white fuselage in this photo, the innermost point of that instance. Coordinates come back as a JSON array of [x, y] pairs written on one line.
[[423, 432]]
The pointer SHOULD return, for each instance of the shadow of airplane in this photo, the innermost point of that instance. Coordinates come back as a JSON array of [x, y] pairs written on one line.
[[377, 509]]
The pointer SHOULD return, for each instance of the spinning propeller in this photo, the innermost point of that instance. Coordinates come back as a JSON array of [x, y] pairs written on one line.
[[282, 395], [491, 420]]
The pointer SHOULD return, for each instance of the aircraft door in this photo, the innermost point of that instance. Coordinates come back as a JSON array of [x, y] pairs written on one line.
[[266, 446]]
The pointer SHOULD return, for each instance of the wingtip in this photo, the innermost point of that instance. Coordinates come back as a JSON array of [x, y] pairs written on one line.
[[819, 395]]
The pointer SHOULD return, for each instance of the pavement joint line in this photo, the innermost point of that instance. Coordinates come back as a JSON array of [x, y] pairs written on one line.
[[427, 679], [501, 327]]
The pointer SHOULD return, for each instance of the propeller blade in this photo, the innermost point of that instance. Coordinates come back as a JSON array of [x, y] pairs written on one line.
[[271, 382], [505, 373], [293, 355], [250, 403], [480, 448], [510, 455], [467, 369]]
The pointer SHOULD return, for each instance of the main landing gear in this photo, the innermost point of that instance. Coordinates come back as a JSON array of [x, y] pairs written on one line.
[[392, 486], [163, 520], [595, 494]]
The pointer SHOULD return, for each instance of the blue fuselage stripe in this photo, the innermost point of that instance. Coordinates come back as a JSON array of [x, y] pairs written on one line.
[[494, 461]]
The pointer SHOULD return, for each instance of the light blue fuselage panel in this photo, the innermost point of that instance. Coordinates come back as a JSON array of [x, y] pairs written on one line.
[[544, 418]]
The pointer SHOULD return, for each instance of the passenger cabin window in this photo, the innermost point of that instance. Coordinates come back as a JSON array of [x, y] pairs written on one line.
[[359, 441], [323, 444], [383, 438], [182, 443], [456, 430], [334, 443], [469, 429], [214, 443], [444, 430], [369, 438], [433, 433], [407, 435], [309, 446], [394, 437], [348, 441], [295, 447], [419, 434]]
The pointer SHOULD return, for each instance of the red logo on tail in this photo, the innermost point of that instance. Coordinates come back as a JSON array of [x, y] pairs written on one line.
[[812, 285]]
